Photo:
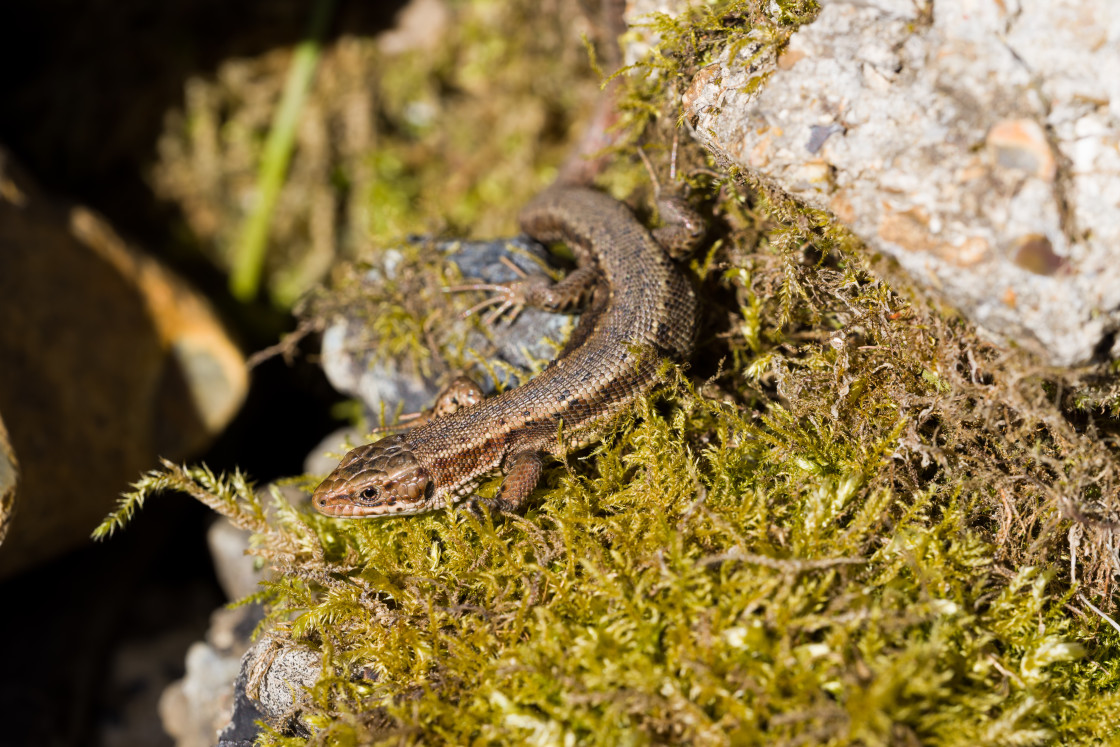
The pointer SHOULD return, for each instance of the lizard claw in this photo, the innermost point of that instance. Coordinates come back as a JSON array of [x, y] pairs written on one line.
[[495, 507], [508, 300], [511, 298]]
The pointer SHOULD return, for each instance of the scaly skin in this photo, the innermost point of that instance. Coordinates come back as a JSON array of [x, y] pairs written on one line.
[[642, 310]]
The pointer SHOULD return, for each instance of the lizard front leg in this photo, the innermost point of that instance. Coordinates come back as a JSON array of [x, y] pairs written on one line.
[[523, 472], [461, 392]]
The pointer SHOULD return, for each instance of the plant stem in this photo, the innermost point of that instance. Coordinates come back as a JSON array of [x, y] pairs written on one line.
[[252, 242]]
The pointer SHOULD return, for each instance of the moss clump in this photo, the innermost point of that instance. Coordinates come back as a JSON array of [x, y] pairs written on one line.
[[710, 576], [435, 132], [852, 523]]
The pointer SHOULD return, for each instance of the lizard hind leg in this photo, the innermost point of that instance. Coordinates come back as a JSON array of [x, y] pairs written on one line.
[[570, 295], [682, 228]]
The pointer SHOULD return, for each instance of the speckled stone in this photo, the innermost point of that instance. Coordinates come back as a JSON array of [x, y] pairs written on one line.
[[975, 143]]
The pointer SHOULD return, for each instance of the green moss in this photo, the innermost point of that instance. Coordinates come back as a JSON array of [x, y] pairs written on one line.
[[449, 135], [707, 577], [848, 522]]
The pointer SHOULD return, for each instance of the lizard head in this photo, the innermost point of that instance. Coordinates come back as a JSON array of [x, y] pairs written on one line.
[[383, 478]]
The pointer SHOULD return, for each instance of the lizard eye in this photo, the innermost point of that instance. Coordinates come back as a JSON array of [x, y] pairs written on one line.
[[369, 493]]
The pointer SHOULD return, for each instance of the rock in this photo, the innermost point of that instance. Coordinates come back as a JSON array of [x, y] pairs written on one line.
[[195, 709], [272, 683], [976, 143], [242, 729], [110, 361], [325, 456], [352, 368], [237, 572], [279, 675]]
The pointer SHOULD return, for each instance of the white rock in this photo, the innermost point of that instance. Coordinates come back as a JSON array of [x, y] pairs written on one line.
[[975, 142]]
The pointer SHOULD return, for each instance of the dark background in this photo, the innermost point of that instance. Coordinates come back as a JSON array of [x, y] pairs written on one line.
[[84, 88]]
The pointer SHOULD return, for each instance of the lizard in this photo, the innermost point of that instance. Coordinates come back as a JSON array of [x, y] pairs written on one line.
[[638, 308]]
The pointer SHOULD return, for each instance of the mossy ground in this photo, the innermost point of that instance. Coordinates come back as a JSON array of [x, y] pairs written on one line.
[[847, 521]]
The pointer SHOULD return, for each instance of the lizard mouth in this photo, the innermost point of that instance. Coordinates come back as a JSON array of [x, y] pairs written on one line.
[[344, 507]]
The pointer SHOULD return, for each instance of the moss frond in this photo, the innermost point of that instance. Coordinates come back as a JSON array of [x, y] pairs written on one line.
[[231, 496]]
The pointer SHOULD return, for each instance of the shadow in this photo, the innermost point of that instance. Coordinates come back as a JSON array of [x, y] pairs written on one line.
[[84, 87]]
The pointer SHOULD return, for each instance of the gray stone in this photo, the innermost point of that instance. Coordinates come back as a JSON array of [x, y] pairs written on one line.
[[271, 686], [977, 143], [326, 455], [352, 369], [237, 572], [194, 709]]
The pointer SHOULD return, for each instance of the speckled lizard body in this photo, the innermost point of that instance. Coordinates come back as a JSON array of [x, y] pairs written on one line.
[[640, 308]]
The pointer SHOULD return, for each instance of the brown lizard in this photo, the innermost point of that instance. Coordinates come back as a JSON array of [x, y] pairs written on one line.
[[638, 308]]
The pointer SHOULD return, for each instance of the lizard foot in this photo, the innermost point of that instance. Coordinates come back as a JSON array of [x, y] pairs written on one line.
[[508, 298], [495, 506]]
